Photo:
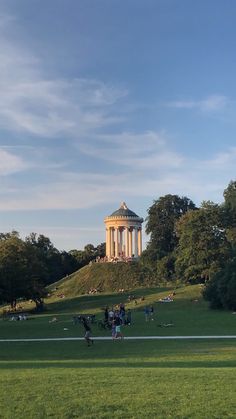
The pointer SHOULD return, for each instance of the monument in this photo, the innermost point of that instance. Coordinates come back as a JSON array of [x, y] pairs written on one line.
[[123, 234]]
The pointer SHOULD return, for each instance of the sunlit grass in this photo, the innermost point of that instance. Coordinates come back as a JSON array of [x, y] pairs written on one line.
[[121, 379]]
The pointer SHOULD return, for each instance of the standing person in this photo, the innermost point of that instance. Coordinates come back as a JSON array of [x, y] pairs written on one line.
[[128, 317], [152, 313], [106, 315], [111, 315], [147, 313], [113, 330], [87, 335], [118, 329]]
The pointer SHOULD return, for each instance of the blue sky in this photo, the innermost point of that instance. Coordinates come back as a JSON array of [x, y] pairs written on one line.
[[103, 101]]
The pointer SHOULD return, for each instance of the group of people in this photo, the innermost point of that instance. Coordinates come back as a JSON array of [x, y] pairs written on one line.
[[18, 317], [117, 314], [116, 318], [168, 299]]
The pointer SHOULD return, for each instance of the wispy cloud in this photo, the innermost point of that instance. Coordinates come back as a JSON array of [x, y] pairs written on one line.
[[32, 103], [211, 103], [85, 190], [84, 111], [11, 163], [135, 150]]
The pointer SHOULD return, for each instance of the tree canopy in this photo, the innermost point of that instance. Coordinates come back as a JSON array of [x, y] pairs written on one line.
[[28, 266], [203, 245], [161, 219]]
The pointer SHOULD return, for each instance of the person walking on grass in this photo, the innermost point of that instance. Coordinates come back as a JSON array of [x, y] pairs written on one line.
[[87, 329]]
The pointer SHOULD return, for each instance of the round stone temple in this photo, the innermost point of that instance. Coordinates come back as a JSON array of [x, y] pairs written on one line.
[[123, 234]]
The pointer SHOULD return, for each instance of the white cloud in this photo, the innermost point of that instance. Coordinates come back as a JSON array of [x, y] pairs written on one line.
[[34, 104], [10, 163], [224, 161], [199, 180], [31, 103], [211, 103], [148, 150]]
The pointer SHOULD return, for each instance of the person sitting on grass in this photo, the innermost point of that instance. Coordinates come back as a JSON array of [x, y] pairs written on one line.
[[53, 320], [87, 335]]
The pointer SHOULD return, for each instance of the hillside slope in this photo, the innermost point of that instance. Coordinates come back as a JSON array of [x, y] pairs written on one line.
[[104, 277]]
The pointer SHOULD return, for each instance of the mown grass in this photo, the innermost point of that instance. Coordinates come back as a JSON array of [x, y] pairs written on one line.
[[173, 379], [189, 313], [130, 393], [121, 379]]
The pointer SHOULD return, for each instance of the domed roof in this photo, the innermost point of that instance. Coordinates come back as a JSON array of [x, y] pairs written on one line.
[[124, 211]]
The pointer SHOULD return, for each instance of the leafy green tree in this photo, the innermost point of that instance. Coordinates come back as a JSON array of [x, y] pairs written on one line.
[[221, 290], [230, 195], [13, 268], [166, 268], [68, 263], [101, 250], [5, 236], [203, 245], [49, 256], [90, 250], [20, 271], [230, 214], [161, 219]]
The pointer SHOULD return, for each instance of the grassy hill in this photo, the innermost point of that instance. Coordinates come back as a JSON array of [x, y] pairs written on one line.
[[189, 378], [105, 277]]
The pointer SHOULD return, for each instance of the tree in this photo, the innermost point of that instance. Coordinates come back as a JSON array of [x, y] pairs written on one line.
[[230, 195], [90, 250], [20, 271], [161, 219], [221, 290], [203, 245], [230, 214], [49, 256], [166, 268], [101, 250]]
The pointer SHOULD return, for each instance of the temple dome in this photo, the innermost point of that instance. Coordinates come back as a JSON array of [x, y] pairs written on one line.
[[123, 211]]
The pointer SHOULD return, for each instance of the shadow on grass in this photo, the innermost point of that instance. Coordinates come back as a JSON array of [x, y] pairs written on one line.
[[99, 301], [74, 364]]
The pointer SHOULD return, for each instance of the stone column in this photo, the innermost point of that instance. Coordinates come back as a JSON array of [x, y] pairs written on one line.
[[108, 247], [116, 242], [121, 241], [135, 242], [130, 242], [127, 242], [112, 241], [140, 241]]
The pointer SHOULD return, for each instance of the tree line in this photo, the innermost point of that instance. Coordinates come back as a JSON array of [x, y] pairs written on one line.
[[28, 266], [187, 244], [194, 244]]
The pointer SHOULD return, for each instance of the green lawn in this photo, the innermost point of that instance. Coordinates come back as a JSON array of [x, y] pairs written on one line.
[[189, 313], [121, 379]]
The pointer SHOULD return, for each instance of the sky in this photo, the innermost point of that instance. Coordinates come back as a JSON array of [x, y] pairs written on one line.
[[104, 101]]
